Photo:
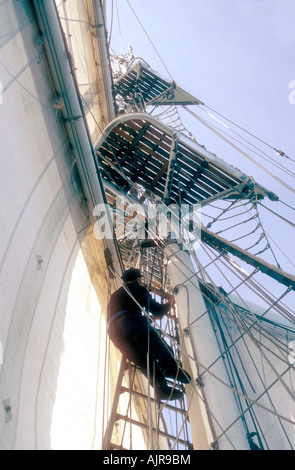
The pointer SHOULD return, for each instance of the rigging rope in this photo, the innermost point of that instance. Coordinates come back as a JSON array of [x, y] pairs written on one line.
[[255, 342], [279, 152], [268, 159], [149, 38], [279, 377], [240, 151]]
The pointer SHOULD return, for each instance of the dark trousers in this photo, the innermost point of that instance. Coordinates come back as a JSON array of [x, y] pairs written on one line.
[[135, 339]]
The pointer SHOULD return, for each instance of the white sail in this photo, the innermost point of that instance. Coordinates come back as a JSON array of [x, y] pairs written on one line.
[[53, 271]]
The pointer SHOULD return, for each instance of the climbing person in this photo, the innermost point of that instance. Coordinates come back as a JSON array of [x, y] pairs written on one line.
[[131, 332]]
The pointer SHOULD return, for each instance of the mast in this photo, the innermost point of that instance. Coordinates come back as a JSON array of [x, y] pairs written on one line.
[[211, 396], [149, 162]]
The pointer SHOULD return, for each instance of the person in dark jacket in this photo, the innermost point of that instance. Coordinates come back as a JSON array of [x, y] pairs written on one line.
[[132, 333]]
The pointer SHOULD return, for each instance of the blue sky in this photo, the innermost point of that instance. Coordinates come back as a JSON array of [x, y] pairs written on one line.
[[237, 56]]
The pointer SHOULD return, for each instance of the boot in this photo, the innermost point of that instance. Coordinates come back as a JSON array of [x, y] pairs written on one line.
[[177, 374], [161, 388], [167, 393]]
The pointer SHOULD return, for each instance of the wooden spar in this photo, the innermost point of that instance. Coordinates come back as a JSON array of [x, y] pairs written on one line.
[[223, 245]]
